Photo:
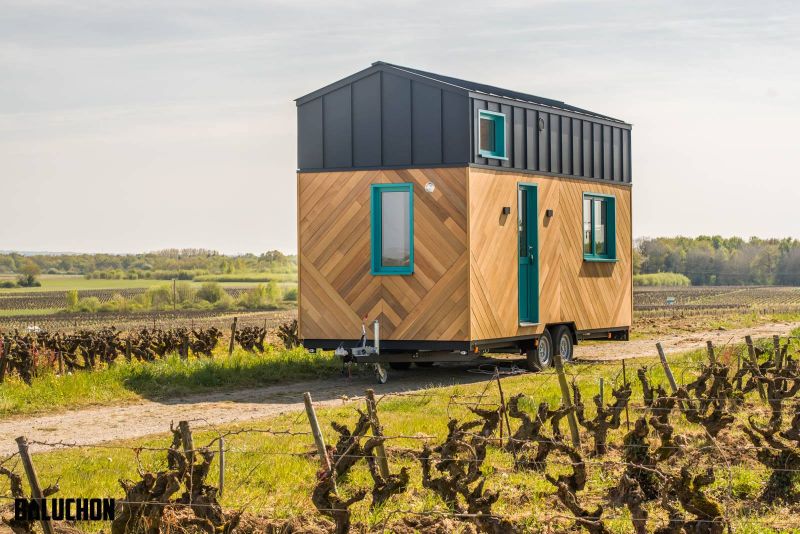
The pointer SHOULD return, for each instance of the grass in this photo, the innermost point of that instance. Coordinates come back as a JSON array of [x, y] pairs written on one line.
[[274, 475], [645, 327], [170, 377], [40, 311]]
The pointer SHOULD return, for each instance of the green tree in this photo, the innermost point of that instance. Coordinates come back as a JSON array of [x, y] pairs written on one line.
[[28, 274]]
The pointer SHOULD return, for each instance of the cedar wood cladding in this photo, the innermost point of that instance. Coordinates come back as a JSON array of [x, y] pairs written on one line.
[[394, 117]]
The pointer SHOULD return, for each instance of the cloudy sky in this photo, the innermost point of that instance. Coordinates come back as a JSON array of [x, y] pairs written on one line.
[[133, 126]]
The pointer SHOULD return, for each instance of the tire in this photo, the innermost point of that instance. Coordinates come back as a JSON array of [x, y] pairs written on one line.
[[563, 343], [381, 375], [400, 366], [541, 357]]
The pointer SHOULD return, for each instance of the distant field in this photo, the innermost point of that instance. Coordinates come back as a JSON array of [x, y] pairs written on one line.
[[714, 298], [60, 282]]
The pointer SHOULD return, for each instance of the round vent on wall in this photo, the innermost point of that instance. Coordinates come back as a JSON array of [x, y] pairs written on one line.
[[429, 187]]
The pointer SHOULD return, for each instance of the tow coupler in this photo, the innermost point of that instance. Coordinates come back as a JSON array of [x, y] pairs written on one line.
[[363, 353]]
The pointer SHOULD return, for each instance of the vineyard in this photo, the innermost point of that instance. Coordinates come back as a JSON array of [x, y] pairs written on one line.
[[708, 444], [713, 299], [29, 353]]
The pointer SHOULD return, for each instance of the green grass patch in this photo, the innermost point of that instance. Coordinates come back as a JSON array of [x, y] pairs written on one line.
[[170, 377], [661, 279], [247, 277]]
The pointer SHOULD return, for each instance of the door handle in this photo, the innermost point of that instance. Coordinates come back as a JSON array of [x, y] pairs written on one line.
[[530, 254]]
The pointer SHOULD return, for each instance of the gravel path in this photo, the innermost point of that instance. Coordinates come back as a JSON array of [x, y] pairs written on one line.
[[101, 424]]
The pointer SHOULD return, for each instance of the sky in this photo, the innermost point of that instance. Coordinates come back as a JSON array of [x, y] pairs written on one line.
[[141, 125]]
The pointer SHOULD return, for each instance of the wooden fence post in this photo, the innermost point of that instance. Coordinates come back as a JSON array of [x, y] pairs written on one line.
[[128, 350], [751, 351], [711, 357], [60, 362], [187, 440], [233, 336], [33, 480], [377, 431], [221, 485], [567, 400], [602, 391], [625, 383], [776, 342], [315, 430], [5, 348], [663, 357]]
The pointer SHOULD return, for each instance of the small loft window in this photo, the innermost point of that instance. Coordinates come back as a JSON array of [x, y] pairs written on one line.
[[392, 229], [492, 134], [599, 228]]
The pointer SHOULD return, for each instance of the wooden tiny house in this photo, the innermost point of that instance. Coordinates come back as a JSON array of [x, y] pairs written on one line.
[[460, 216]]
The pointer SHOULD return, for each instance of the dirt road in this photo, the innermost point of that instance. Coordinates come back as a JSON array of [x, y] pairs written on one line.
[[100, 424]]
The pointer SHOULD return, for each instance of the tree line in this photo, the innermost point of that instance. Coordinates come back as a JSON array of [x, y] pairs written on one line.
[[183, 264], [716, 260]]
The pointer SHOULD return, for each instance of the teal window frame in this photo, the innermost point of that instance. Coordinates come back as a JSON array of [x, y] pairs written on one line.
[[377, 268], [611, 228], [499, 120]]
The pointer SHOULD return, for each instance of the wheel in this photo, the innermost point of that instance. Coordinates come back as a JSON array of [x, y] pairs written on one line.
[[381, 375], [563, 343], [400, 366], [424, 364], [541, 357]]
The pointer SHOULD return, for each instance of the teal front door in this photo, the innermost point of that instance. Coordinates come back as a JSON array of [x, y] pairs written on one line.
[[527, 209]]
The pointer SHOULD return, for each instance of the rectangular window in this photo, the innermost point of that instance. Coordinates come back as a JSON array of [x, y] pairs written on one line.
[[392, 229], [599, 228], [492, 134]]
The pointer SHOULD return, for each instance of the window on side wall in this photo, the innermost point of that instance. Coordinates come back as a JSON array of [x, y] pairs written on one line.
[[492, 135], [392, 229], [599, 227]]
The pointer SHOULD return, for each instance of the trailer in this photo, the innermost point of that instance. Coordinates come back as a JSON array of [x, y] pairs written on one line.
[[442, 220]]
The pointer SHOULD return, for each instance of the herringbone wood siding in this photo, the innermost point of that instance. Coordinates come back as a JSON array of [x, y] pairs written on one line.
[[592, 295], [336, 289]]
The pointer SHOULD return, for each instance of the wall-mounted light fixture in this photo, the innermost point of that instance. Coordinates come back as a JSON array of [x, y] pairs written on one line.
[[506, 210], [429, 187], [548, 213]]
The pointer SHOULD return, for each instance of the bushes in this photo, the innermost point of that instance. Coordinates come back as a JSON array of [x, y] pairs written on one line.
[[8, 284], [261, 296], [290, 295], [210, 292], [661, 279]]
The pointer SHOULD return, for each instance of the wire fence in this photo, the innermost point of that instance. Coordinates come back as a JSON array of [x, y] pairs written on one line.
[[282, 468]]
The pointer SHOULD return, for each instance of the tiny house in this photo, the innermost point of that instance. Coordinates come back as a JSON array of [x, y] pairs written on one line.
[[463, 218]]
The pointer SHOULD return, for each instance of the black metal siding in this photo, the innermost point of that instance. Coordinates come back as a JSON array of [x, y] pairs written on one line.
[[390, 118], [383, 120], [337, 128], [367, 122], [550, 142]]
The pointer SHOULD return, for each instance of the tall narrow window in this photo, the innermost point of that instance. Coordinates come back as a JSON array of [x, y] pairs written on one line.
[[492, 135], [392, 229], [599, 228]]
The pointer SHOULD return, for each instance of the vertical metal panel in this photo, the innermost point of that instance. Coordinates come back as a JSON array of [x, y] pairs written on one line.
[[626, 156], [531, 140], [455, 128], [577, 148], [494, 106], [337, 128], [587, 149], [426, 124], [367, 121], [597, 151], [566, 145], [607, 153], [543, 125], [617, 150], [396, 118], [555, 143], [520, 150], [509, 133], [309, 135], [477, 105]]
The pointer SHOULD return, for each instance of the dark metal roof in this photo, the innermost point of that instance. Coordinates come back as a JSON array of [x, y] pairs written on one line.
[[458, 85], [491, 90]]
